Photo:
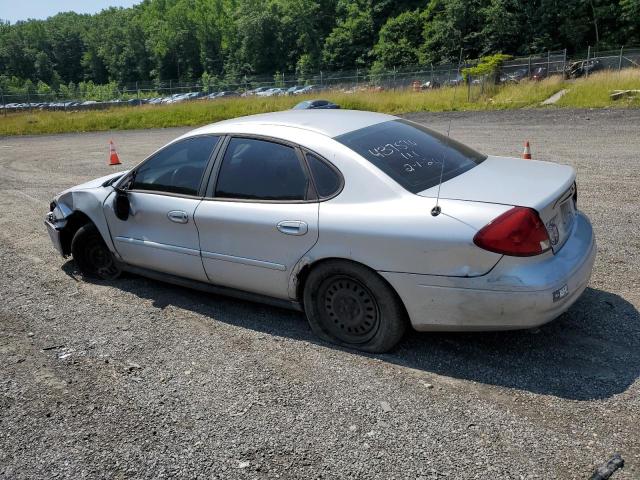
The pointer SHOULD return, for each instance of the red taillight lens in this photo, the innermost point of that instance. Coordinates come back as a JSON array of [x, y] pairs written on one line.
[[518, 232]]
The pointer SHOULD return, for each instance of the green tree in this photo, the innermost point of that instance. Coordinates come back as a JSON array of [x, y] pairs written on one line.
[[399, 41], [631, 15], [349, 44], [452, 26], [43, 67], [238, 40], [502, 26]]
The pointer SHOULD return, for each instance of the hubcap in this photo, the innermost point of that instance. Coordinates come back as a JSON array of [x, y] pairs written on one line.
[[350, 310]]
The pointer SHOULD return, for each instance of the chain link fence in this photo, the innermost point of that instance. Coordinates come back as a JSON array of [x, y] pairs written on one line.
[[534, 67]]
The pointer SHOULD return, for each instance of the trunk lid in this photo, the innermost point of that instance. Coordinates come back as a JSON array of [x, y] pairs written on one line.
[[546, 187]]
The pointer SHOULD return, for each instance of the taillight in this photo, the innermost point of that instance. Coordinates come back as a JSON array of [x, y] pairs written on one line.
[[518, 232]]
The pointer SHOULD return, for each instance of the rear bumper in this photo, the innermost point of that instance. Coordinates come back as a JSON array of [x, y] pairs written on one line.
[[517, 293]]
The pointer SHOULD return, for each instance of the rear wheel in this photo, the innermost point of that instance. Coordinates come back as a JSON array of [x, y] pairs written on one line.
[[352, 306], [91, 254]]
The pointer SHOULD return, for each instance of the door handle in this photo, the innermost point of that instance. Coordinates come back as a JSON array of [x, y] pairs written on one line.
[[293, 227], [178, 216]]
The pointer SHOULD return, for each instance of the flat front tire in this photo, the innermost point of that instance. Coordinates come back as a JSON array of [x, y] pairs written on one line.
[[91, 255], [352, 306]]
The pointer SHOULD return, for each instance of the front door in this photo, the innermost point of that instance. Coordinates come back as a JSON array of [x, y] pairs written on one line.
[[260, 219], [164, 192]]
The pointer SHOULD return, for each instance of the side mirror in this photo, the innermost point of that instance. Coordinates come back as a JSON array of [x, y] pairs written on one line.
[[121, 205]]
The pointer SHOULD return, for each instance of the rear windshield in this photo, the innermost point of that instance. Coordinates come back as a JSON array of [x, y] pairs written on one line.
[[411, 154]]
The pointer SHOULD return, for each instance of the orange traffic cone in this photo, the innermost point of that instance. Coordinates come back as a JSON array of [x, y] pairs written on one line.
[[527, 151], [113, 155]]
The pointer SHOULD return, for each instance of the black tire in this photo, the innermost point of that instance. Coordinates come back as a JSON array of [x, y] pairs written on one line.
[[352, 306], [91, 254]]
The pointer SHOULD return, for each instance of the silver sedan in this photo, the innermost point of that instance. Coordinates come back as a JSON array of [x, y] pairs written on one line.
[[366, 222]]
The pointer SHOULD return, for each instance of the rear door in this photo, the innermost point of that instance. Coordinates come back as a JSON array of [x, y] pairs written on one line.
[[164, 192], [260, 216]]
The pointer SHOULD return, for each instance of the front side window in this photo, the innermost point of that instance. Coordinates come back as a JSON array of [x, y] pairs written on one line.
[[261, 170], [413, 155], [177, 168]]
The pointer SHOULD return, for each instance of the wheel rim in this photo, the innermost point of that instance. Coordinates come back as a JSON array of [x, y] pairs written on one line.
[[349, 309], [99, 258]]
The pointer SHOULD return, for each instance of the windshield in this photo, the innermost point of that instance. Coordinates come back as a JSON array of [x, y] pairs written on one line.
[[412, 154]]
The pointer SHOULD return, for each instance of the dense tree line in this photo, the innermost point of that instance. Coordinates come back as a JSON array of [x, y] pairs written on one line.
[[186, 39]]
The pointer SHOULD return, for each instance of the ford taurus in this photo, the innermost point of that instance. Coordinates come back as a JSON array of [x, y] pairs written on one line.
[[367, 222]]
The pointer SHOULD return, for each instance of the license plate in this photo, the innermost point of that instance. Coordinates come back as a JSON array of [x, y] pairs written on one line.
[[560, 293]]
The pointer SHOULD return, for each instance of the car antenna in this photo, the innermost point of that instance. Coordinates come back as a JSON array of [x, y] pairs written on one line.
[[436, 210]]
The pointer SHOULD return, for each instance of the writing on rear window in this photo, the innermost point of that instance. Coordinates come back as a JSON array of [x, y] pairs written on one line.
[[411, 154], [398, 147]]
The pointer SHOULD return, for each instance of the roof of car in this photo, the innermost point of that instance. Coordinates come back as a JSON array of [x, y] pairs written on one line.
[[327, 122]]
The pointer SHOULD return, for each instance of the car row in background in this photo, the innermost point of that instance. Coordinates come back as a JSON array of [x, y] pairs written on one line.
[[277, 91], [173, 98], [74, 105]]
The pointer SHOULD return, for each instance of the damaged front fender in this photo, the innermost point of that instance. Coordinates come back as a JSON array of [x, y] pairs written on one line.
[[74, 208]]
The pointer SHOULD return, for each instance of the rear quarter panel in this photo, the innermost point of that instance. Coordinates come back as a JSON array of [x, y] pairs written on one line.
[[400, 235]]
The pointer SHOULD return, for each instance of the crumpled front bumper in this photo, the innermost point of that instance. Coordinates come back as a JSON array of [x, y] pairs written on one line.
[[518, 293], [53, 228]]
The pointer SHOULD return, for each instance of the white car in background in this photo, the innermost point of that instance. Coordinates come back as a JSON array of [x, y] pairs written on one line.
[[271, 92]]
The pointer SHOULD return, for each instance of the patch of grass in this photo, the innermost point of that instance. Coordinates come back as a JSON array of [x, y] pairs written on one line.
[[587, 92], [594, 91], [528, 93]]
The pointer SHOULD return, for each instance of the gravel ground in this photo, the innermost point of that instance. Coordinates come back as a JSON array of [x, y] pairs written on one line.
[[138, 379]]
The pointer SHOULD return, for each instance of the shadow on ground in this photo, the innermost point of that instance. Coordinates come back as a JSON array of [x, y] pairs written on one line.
[[590, 352]]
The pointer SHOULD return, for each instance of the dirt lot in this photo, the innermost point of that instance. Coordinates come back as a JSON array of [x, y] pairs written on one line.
[[137, 379]]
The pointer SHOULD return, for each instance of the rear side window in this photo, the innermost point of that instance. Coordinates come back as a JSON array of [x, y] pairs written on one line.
[[177, 168], [411, 154], [261, 170], [326, 180]]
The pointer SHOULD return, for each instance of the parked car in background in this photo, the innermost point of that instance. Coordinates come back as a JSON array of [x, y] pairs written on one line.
[[457, 80], [540, 73], [315, 104], [227, 93], [514, 76], [584, 67], [272, 92], [430, 85], [305, 90], [255, 91], [291, 90], [210, 96], [367, 222]]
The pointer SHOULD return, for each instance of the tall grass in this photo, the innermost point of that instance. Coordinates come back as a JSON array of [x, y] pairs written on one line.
[[595, 91], [528, 93], [588, 92]]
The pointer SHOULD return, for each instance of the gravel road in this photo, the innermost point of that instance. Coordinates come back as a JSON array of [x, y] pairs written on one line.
[[138, 379]]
